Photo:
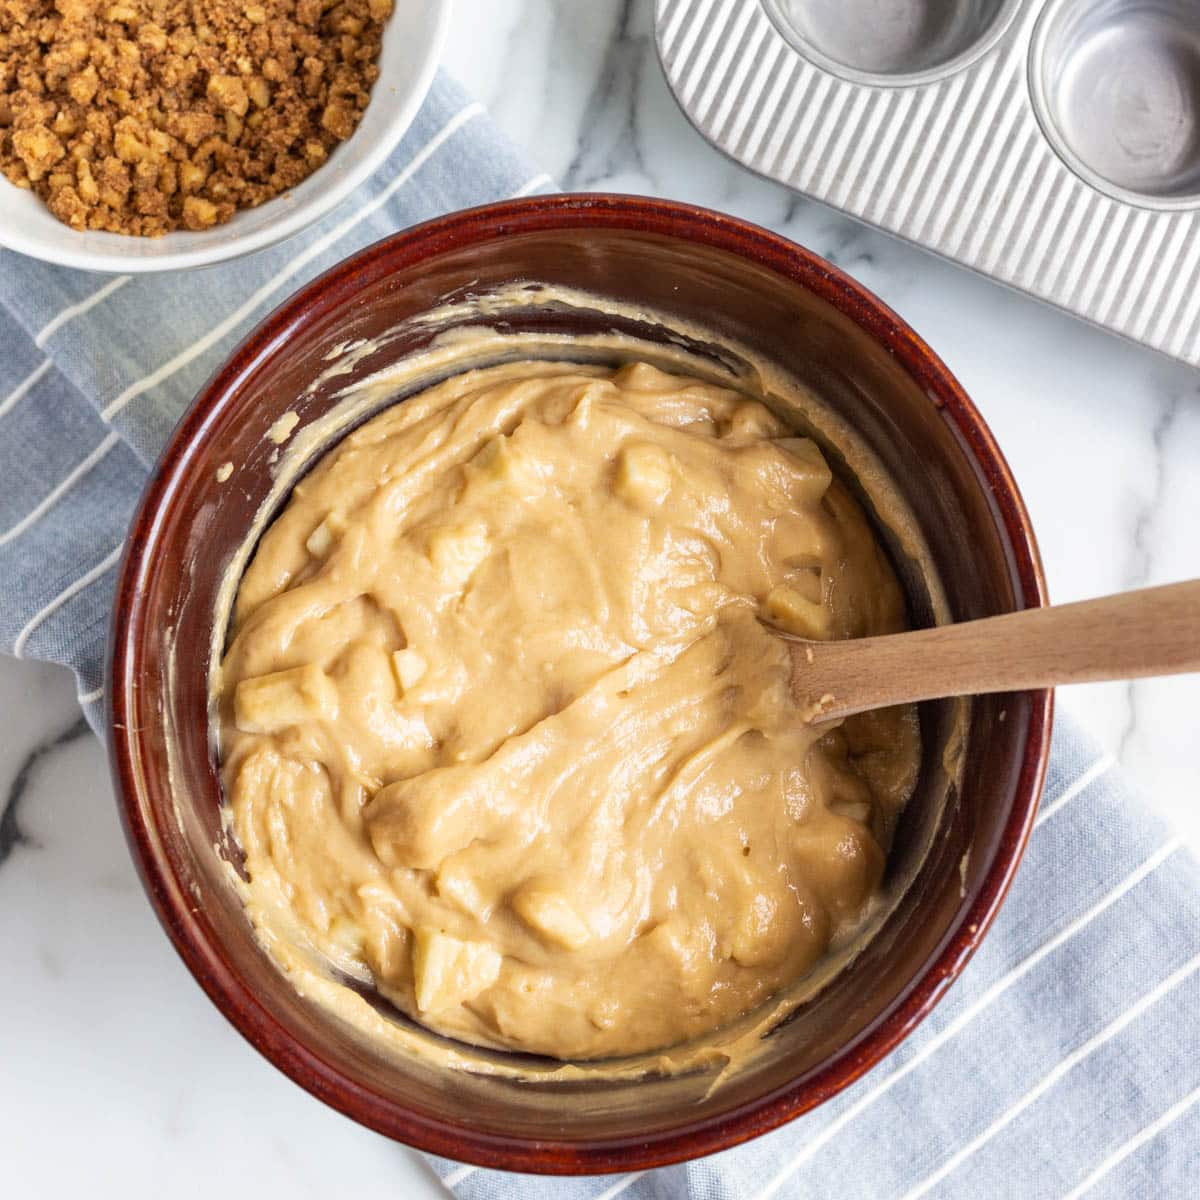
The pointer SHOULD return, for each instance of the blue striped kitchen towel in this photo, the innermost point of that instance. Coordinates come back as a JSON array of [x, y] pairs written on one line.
[[1064, 1062]]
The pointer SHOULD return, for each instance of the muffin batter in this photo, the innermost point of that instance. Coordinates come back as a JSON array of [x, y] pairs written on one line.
[[502, 729]]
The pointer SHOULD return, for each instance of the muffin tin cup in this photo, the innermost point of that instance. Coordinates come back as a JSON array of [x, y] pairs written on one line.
[[911, 41], [1116, 87], [1053, 145]]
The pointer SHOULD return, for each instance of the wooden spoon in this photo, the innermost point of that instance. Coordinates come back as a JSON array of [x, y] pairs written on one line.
[[1155, 631]]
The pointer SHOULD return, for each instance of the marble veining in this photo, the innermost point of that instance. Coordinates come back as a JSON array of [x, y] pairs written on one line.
[[1141, 557], [101, 1029], [12, 835], [612, 145]]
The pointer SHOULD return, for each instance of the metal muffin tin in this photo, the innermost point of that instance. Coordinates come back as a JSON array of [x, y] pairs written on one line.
[[1051, 144]]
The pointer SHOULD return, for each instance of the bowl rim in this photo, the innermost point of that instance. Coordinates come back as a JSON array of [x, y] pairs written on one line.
[[187, 926], [290, 219]]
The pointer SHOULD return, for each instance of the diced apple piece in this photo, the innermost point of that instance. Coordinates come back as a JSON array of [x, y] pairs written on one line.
[[502, 468], [853, 811], [500, 461], [550, 915], [458, 885], [751, 420], [455, 552], [346, 935], [321, 540], [642, 377], [410, 667], [643, 474], [812, 473], [687, 954], [447, 971], [788, 609], [756, 934], [269, 703]]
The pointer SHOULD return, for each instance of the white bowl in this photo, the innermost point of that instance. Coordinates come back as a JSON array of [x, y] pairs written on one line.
[[412, 45]]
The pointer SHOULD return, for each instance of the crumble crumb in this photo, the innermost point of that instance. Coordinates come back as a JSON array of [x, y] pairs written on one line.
[[146, 116]]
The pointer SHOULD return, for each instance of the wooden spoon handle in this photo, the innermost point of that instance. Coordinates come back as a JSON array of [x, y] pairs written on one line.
[[1155, 631]]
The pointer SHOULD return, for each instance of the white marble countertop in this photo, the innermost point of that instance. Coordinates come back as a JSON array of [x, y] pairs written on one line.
[[118, 1077]]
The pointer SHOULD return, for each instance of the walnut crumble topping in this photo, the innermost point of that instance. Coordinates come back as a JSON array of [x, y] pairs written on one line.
[[145, 116]]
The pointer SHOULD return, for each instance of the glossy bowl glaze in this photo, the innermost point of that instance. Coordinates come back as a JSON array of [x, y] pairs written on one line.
[[746, 285]]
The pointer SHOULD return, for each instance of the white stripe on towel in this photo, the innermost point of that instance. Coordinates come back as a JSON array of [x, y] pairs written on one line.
[[1101, 767], [23, 387], [1136, 1142], [89, 577], [52, 327], [970, 1013], [200, 345], [76, 310], [617, 1188], [456, 1177], [90, 697], [1048, 1080], [51, 498]]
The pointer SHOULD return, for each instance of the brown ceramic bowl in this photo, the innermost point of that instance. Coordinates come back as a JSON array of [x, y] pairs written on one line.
[[744, 283]]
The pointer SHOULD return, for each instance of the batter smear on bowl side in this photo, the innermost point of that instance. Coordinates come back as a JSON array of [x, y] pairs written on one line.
[[502, 730]]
